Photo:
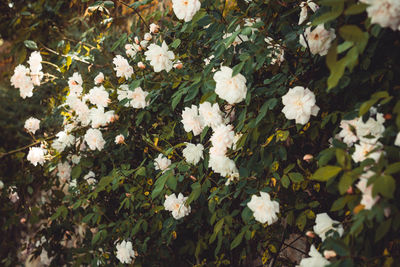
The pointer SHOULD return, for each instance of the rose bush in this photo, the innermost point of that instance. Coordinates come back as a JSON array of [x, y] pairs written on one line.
[[183, 141]]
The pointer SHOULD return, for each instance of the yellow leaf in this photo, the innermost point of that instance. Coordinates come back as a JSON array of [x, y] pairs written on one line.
[[358, 208]]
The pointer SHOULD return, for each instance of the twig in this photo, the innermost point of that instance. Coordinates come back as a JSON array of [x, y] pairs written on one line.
[[25, 147], [280, 247], [73, 56], [137, 13]]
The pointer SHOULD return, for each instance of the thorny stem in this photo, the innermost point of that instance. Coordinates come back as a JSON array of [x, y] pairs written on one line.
[[137, 13]]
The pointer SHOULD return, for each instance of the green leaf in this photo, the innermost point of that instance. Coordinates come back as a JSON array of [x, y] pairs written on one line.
[[238, 239], [175, 43], [160, 183], [385, 185], [325, 173], [108, 4], [176, 98], [30, 44], [196, 191], [336, 10], [237, 68], [345, 182], [355, 9], [339, 203], [296, 177], [230, 39], [382, 230], [353, 33], [218, 226], [285, 181], [393, 168], [76, 172]]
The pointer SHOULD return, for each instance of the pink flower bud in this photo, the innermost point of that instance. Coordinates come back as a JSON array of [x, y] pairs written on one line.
[[147, 36], [350, 190], [136, 40], [23, 220], [154, 28], [119, 139], [308, 157], [310, 234], [178, 65], [328, 254], [141, 65]]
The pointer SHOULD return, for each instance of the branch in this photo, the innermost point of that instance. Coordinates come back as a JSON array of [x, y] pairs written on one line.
[[25, 147], [137, 13]]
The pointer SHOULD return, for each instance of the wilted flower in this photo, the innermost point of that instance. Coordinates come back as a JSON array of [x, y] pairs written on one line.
[[264, 210]]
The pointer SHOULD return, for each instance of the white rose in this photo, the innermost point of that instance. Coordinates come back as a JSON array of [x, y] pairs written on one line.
[[36, 155], [299, 104], [397, 141], [315, 259], [35, 65], [94, 139], [348, 131], [63, 140], [323, 224], [264, 210], [364, 151], [211, 114], [99, 78], [119, 139], [222, 165], [32, 125], [371, 128], [122, 67], [193, 153], [98, 96], [386, 13], [138, 97], [185, 9], [160, 57], [75, 84], [176, 205], [231, 89], [319, 40], [192, 121], [367, 200], [161, 163], [22, 81], [64, 171], [125, 253], [223, 137]]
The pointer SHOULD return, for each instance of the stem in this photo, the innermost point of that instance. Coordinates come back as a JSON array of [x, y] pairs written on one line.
[[51, 64], [280, 247], [58, 54], [137, 13], [25, 147]]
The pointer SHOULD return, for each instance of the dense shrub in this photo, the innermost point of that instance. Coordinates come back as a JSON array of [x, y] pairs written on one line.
[[289, 121]]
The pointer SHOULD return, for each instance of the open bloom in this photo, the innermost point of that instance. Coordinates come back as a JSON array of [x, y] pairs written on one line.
[[63, 140], [304, 10], [185, 9], [122, 67], [160, 57], [99, 79], [94, 139], [99, 117], [366, 199], [36, 155], [371, 130], [192, 121], [264, 210], [319, 40], [22, 81], [193, 153], [211, 114], [397, 140], [386, 13], [32, 125], [299, 104], [161, 163], [348, 131], [75, 84], [367, 150], [139, 98], [176, 205], [64, 171], [98, 96], [221, 164], [223, 137], [231, 89], [315, 259], [324, 223], [35, 65], [125, 253], [90, 178]]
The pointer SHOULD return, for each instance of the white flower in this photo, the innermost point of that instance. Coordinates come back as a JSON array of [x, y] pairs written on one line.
[[138, 97], [99, 117], [304, 10], [98, 96], [141, 65], [192, 121], [75, 84], [299, 104], [367, 200], [122, 67], [161, 163], [144, 43], [44, 258], [90, 178], [63, 140], [193, 153], [223, 137], [319, 40], [185, 9], [132, 49], [160, 57], [22, 81], [75, 159], [221, 164], [13, 194], [371, 128], [240, 38], [94, 139], [147, 36], [323, 224], [249, 22], [119, 139], [231, 89], [315, 259], [208, 60], [386, 13], [32, 125], [397, 141], [176, 205], [154, 28], [348, 131], [363, 151], [99, 78], [80, 108], [64, 171], [35, 64], [1, 185], [211, 114], [264, 210], [125, 253], [36, 155]]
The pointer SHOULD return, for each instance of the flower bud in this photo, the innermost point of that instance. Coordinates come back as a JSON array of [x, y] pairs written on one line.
[[119, 139], [154, 28], [310, 234], [147, 36], [141, 65], [308, 157], [136, 39], [178, 65], [328, 254], [23, 220], [350, 190]]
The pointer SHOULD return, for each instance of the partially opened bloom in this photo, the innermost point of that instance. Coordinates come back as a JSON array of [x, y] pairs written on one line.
[[324, 223], [36, 155], [35, 65], [32, 125], [99, 79], [315, 259], [366, 199], [348, 131], [161, 163], [176, 205], [304, 10], [299, 104], [122, 67], [125, 253], [319, 40], [371, 130], [75, 84], [119, 139], [231, 89], [193, 153], [22, 81], [185, 9], [154, 28], [264, 210], [94, 139], [160, 57]]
